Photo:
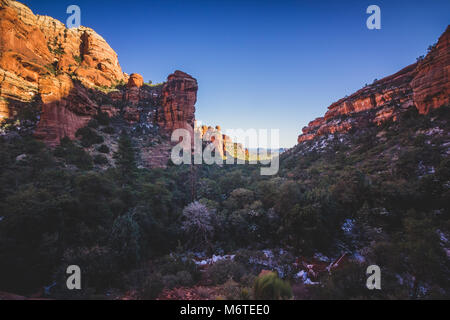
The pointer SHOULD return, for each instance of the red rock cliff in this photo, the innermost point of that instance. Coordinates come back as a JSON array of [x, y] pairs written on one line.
[[424, 84], [39, 56], [179, 96]]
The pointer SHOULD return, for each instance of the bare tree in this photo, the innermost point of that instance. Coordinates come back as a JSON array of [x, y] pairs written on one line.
[[198, 223]]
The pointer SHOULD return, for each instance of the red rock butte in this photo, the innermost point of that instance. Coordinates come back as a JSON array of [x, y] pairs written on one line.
[[424, 84], [179, 97], [61, 70]]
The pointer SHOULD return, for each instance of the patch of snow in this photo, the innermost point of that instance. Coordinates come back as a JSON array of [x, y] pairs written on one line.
[[311, 283], [422, 291], [268, 253], [400, 279], [358, 257], [321, 257], [303, 276], [214, 259], [442, 236], [348, 226]]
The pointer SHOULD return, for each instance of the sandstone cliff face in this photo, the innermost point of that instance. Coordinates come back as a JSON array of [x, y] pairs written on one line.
[[39, 56], [424, 84], [66, 108], [431, 86], [179, 96], [79, 51], [223, 143], [73, 75]]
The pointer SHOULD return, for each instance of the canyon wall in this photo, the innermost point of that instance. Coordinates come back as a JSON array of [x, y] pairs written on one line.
[[424, 85], [43, 61], [73, 74], [179, 96]]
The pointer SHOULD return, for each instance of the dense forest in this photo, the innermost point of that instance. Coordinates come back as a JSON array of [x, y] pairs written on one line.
[[379, 194]]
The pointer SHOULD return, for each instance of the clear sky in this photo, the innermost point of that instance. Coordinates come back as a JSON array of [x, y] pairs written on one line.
[[262, 64]]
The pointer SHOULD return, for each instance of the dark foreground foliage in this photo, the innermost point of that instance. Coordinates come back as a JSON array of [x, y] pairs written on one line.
[[380, 193]]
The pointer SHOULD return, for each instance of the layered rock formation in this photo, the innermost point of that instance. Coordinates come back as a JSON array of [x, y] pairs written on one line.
[[431, 84], [135, 81], [71, 76], [424, 85], [39, 56], [179, 96], [65, 69], [66, 108], [223, 143]]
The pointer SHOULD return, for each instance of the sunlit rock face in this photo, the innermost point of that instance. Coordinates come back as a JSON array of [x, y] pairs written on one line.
[[424, 85], [179, 96], [39, 56], [135, 81], [223, 144], [431, 85]]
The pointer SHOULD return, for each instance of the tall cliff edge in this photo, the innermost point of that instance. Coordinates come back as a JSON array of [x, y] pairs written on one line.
[[424, 84]]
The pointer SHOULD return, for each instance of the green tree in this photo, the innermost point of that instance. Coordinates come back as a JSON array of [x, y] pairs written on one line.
[[126, 159], [125, 240]]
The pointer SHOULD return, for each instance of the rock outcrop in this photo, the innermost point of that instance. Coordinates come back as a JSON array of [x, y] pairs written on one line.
[[223, 144], [179, 96], [424, 85], [431, 85], [39, 56], [135, 81], [66, 108], [71, 76]]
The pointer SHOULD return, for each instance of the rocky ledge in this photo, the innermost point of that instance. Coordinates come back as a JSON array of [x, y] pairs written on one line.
[[424, 85]]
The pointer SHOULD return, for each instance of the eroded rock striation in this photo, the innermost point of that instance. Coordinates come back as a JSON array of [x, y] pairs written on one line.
[[179, 96], [41, 59], [71, 75], [424, 85], [223, 144]]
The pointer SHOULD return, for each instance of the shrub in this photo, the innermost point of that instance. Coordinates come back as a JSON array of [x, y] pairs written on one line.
[[246, 294], [103, 119], [180, 279], [240, 198], [173, 265], [73, 154], [88, 137], [93, 124], [100, 160], [52, 68], [125, 159], [98, 267], [109, 130], [152, 287], [103, 149], [232, 290], [222, 271], [125, 239], [77, 59], [270, 287]]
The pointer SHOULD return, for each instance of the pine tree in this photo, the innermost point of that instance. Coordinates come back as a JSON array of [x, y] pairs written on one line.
[[125, 159]]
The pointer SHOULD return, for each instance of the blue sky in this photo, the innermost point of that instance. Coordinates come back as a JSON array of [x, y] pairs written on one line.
[[262, 64]]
